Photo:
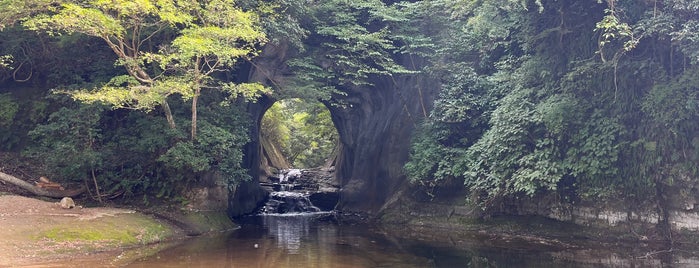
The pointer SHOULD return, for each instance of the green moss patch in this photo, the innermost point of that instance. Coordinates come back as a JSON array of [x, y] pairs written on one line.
[[120, 230], [209, 221]]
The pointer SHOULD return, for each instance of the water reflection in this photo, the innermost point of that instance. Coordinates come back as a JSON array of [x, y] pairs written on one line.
[[288, 229], [303, 241], [286, 241]]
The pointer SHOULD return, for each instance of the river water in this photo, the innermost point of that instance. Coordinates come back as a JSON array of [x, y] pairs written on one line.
[[303, 237], [301, 240]]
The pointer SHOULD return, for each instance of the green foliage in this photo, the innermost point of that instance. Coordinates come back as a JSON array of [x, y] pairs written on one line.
[[5, 61], [587, 99], [195, 40], [134, 154], [510, 157], [248, 91], [430, 158], [304, 132], [68, 143], [8, 111], [349, 43], [593, 157], [274, 125], [281, 20], [18, 115], [538, 113], [215, 149]]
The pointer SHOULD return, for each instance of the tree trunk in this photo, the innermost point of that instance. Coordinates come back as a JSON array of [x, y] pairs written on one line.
[[40, 191], [168, 115], [194, 113]]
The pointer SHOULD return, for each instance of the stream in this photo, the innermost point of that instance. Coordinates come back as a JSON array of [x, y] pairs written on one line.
[[310, 240], [306, 240], [291, 231]]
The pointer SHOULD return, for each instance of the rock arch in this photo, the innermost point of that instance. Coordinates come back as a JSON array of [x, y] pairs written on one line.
[[375, 127]]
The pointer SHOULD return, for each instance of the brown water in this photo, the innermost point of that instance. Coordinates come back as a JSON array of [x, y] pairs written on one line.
[[302, 241]]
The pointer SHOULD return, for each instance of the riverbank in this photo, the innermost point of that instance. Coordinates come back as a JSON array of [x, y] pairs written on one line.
[[38, 232], [465, 226]]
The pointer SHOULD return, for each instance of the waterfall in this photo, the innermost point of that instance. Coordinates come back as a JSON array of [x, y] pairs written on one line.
[[287, 197], [283, 202]]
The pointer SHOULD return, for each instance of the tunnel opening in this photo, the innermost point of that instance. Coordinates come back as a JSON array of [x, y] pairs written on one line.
[[298, 146]]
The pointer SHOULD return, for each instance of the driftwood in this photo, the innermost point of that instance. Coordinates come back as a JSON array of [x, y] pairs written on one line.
[[55, 193], [47, 184]]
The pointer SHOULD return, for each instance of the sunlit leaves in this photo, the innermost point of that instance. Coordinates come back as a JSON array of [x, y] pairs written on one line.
[[5, 61], [303, 131], [73, 18], [14, 11], [224, 45], [614, 29], [249, 91], [127, 8], [135, 97], [355, 41]]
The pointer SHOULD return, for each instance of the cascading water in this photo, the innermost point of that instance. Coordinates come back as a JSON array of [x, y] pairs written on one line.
[[288, 202], [288, 196]]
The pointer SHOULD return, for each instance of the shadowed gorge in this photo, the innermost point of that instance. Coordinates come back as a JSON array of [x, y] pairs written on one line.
[[570, 124]]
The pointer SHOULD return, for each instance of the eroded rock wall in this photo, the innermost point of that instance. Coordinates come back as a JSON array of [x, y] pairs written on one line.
[[267, 70], [375, 127], [248, 195]]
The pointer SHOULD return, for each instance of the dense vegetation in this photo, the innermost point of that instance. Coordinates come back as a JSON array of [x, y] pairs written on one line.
[[303, 131], [581, 99], [585, 99]]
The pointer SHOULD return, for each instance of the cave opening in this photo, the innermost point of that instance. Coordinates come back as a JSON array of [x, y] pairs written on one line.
[[298, 144]]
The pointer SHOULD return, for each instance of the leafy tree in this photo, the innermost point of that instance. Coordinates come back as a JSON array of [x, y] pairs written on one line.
[[125, 28], [303, 130], [349, 42], [504, 122], [209, 37], [129, 153], [567, 99], [68, 144]]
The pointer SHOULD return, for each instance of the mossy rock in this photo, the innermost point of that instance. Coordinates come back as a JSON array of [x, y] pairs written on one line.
[[197, 222]]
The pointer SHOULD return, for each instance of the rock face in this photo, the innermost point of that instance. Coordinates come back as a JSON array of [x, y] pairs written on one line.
[[374, 123], [325, 201], [375, 131], [210, 194], [248, 195], [297, 190], [288, 202], [272, 157]]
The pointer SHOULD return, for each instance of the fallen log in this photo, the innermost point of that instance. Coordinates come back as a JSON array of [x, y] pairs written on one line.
[[55, 193]]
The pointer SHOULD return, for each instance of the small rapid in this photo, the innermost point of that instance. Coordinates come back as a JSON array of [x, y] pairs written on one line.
[[284, 202], [293, 191]]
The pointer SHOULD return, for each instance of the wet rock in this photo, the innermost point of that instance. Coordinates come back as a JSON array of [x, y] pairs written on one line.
[[326, 201], [288, 202]]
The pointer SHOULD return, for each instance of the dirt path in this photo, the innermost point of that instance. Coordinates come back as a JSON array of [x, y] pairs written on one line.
[[37, 233]]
